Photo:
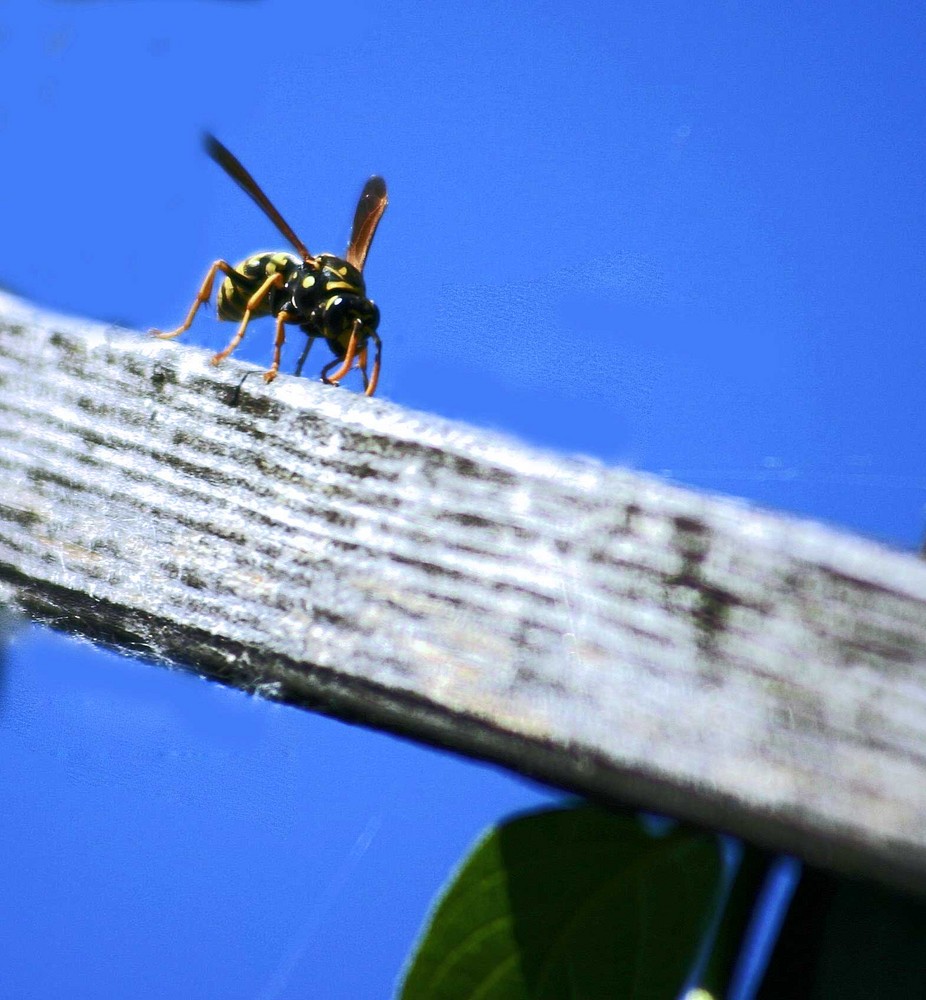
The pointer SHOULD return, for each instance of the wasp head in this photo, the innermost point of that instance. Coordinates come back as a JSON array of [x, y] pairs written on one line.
[[337, 316]]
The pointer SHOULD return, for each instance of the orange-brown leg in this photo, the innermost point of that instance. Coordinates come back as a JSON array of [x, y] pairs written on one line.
[[253, 302], [278, 342], [202, 297], [374, 378], [362, 365], [348, 357], [326, 369]]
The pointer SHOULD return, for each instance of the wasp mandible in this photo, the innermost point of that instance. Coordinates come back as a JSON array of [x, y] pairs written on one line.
[[324, 296]]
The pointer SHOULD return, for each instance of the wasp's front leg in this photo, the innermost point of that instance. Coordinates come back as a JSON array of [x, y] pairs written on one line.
[[348, 360], [370, 387], [204, 294]]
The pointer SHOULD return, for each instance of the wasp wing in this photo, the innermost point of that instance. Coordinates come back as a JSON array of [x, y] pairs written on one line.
[[370, 210], [232, 166]]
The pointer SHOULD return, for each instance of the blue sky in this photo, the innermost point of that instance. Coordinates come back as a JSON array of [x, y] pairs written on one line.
[[689, 238]]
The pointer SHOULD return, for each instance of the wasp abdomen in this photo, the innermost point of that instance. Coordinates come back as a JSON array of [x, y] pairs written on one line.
[[251, 273]]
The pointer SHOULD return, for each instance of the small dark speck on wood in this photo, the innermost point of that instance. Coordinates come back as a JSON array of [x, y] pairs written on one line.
[[593, 627]]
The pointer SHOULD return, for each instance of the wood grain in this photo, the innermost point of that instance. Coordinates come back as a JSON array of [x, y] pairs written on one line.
[[593, 627]]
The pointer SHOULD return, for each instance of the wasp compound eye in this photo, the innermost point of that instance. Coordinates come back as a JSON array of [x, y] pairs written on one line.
[[368, 314]]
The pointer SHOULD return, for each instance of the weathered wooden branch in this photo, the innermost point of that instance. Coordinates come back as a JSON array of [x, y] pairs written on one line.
[[589, 626]]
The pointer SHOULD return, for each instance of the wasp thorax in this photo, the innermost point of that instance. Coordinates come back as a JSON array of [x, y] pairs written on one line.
[[326, 277]]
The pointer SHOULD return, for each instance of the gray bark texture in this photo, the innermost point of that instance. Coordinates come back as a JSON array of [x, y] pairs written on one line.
[[592, 627]]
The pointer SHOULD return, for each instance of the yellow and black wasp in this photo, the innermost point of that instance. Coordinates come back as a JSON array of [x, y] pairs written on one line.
[[324, 296]]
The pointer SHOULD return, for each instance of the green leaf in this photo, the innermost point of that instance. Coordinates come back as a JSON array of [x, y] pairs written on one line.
[[569, 903]]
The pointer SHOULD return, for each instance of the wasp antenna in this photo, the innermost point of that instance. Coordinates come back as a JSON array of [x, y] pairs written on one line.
[[232, 166]]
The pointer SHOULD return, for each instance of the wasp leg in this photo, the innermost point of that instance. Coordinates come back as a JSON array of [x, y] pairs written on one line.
[[362, 365], [309, 341], [326, 369], [348, 359], [201, 299], [370, 387], [278, 341], [253, 302]]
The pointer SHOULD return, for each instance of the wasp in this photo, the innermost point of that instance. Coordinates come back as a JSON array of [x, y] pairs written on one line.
[[324, 296]]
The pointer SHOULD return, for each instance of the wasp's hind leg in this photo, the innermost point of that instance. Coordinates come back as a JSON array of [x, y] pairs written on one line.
[[278, 342], [202, 297], [274, 281]]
